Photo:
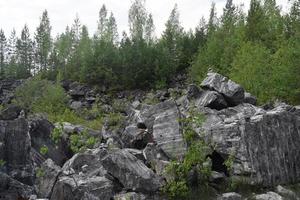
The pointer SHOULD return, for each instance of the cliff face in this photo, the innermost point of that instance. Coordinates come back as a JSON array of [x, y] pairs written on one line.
[[129, 162]]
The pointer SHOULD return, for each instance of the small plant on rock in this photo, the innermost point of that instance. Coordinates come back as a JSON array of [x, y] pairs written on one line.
[[44, 150], [82, 141], [2, 163], [57, 133]]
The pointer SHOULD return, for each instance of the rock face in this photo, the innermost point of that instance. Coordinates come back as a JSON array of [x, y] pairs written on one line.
[[40, 133], [211, 99], [76, 187], [11, 189], [15, 147], [46, 181], [7, 88], [131, 172], [164, 120], [233, 92], [264, 143]]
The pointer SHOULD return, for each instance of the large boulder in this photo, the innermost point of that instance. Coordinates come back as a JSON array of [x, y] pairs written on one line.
[[10, 113], [132, 173], [268, 196], [164, 121], [48, 177], [233, 92], [40, 133], [11, 189], [264, 144], [16, 146], [211, 99], [76, 187]]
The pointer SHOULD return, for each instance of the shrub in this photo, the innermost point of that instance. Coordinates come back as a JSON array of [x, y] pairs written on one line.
[[82, 141], [2, 163], [44, 150], [115, 120], [57, 133], [195, 159], [40, 172]]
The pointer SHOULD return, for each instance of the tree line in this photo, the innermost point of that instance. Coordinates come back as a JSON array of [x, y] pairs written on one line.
[[260, 49]]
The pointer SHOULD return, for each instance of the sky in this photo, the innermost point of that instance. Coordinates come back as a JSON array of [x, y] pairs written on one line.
[[16, 13]]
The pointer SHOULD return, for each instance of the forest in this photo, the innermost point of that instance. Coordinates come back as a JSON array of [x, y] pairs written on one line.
[[258, 48]]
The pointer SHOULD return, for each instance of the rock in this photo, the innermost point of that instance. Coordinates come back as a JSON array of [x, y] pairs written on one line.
[[250, 99], [40, 133], [45, 183], [233, 92], [193, 92], [16, 146], [153, 156], [130, 196], [77, 187], [76, 105], [230, 196], [167, 132], [7, 89], [131, 172], [264, 144], [268, 196], [286, 193], [212, 100], [11, 189], [10, 113], [88, 162]]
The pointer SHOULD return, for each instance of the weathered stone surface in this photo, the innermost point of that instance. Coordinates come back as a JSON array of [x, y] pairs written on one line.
[[265, 144], [250, 99], [40, 133], [10, 113], [46, 182], [167, 132], [268, 196], [212, 100], [230, 196], [7, 88], [131, 172], [130, 196], [233, 92], [11, 189], [289, 194], [155, 158], [16, 146], [77, 187], [193, 92]]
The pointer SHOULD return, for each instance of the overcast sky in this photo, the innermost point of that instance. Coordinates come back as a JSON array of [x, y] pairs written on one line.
[[15, 13]]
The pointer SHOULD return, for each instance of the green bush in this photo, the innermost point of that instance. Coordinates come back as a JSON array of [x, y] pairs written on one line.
[[40, 173], [115, 120], [57, 133], [195, 159], [82, 141], [44, 150]]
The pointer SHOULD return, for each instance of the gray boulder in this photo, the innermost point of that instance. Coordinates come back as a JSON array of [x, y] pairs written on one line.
[[40, 133], [211, 99], [10, 113], [268, 196], [131, 172], [11, 189], [230, 196], [76, 187], [233, 92], [167, 132], [250, 99], [16, 146], [289, 194], [264, 144], [130, 196], [48, 178]]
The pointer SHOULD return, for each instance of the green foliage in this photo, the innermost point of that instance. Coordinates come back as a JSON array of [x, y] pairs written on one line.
[[115, 120], [195, 159], [57, 133], [2, 162], [82, 141], [44, 150], [40, 173], [41, 96]]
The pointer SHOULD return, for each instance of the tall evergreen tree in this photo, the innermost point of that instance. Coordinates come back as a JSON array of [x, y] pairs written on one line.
[[3, 52], [212, 21], [137, 19], [43, 42], [25, 54]]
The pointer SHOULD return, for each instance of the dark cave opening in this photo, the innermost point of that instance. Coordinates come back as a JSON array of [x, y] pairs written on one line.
[[218, 163]]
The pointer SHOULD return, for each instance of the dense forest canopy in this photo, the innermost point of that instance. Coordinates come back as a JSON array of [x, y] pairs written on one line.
[[259, 49]]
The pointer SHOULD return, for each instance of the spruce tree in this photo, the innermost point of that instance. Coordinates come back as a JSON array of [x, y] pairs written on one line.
[[3, 53]]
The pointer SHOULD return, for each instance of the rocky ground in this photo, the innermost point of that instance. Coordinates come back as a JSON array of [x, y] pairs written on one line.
[[129, 160]]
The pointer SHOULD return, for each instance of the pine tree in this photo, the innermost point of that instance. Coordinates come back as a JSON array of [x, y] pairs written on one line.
[[149, 29], [3, 52], [11, 69], [212, 21], [25, 54], [43, 42], [102, 22]]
